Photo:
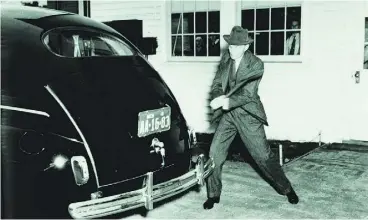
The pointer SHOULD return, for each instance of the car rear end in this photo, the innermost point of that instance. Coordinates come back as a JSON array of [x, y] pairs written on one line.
[[136, 137]]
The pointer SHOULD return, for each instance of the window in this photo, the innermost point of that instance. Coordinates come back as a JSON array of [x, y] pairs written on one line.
[[366, 45], [276, 30], [195, 28], [81, 43]]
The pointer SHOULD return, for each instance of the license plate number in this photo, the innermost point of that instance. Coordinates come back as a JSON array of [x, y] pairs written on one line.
[[154, 121]]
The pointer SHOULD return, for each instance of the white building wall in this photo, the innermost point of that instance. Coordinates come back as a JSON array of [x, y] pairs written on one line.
[[19, 2], [150, 12], [300, 98]]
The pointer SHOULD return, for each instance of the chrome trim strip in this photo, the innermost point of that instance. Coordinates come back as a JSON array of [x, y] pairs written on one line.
[[148, 191], [48, 88], [31, 111], [200, 170], [136, 177], [144, 197], [68, 138]]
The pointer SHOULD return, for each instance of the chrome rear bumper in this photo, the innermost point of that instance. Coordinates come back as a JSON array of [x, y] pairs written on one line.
[[143, 197]]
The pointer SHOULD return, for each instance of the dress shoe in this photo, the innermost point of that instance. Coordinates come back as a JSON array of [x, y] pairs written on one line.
[[210, 202], [292, 197]]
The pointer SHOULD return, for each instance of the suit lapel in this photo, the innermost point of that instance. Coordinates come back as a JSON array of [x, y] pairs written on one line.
[[240, 72], [243, 67]]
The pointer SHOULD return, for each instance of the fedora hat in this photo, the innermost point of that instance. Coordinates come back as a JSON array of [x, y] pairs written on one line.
[[238, 36]]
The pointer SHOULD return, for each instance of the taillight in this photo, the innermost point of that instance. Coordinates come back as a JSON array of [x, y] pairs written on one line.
[[80, 170]]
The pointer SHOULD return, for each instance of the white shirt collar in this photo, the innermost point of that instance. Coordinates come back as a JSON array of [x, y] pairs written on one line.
[[237, 62], [239, 59]]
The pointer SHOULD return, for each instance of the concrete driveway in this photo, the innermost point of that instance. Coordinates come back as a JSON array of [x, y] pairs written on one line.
[[330, 183]]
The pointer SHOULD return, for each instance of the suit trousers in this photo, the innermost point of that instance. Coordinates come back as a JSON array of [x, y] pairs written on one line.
[[253, 136]]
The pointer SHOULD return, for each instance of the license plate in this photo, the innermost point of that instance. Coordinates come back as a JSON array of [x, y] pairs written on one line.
[[154, 121]]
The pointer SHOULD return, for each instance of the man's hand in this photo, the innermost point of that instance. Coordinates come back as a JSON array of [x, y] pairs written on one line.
[[225, 105], [217, 102]]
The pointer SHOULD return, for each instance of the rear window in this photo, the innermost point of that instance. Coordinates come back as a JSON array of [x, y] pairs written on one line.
[[82, 43]]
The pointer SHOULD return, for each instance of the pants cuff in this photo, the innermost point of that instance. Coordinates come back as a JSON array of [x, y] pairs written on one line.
[[212, 195]]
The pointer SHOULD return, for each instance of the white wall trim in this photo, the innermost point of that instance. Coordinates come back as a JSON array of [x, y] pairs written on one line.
[[81, 7], [168, 30]]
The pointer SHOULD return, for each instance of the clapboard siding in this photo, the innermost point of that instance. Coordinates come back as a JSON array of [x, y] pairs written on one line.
[[150, 12], [71, 6]]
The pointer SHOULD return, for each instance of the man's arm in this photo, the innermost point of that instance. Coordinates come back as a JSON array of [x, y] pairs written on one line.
[[216, 88], [244, 96]]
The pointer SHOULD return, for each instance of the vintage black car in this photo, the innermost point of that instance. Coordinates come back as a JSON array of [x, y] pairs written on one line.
[[88, 127]]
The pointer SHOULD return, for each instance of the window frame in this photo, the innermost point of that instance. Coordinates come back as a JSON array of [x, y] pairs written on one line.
[[264, 58], [285, 3], [169, 35]]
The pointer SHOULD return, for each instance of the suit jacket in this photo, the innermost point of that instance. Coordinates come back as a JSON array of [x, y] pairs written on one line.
[[246, 97], [289, 42]]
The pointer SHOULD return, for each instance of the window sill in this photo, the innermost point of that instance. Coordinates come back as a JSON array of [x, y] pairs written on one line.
[[265, 59], [194, 59], [281, 59]]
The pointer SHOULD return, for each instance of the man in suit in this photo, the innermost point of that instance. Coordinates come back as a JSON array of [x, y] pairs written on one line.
[[243, 113], [214, 45], [292, 45]]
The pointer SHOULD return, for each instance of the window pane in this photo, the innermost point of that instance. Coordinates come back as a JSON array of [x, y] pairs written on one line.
[[262, 43], [175, 24], [214, 22], [251, 47], [188, 23], [293, 15], [262, 19], [201, 45], [77, 43], [292, 46], [189, 45], [248, 19], [277, 43], [277, 18], [176, 46], [201, 22], [214, 45]]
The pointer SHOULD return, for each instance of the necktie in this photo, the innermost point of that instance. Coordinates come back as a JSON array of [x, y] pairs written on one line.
[[231, 75], [292, 49], [233, 70]]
